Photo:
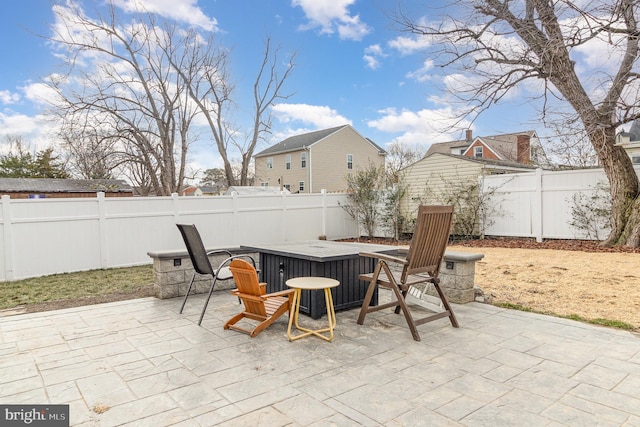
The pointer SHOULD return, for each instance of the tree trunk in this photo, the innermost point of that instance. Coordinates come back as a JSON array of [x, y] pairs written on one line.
[[625, 189]]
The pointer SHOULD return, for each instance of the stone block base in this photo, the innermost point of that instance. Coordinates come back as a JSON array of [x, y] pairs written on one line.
[[173, 271], [457, 276]]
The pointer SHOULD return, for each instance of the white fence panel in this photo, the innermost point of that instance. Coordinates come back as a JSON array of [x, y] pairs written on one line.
[[47, 236], [539, 204], [513, 197]]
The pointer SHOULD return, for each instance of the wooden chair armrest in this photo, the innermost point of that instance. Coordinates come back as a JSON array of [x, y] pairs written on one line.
[[384, 257], [283, 293], [249, 297]]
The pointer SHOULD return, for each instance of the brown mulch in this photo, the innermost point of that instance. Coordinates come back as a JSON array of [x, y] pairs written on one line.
[[516, 243]]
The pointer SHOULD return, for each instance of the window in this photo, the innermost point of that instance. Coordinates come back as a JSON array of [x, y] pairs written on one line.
[[301, 186], [477, 151], [287, 162], [635, 160], [264, 184], [462, 151], [269, 162], [287, 186], [303, 159], [349, 161]]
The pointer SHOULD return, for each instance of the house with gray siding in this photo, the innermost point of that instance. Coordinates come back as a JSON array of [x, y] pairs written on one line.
[[313, 161]]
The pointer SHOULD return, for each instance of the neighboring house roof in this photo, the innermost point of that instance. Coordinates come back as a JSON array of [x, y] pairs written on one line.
[[501, 164], [208, 189], [245, 190], [56, 185], [298, 142], [490, 163], [503, 144]]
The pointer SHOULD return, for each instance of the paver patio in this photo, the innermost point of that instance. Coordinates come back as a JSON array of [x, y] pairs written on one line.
[[140, 363]]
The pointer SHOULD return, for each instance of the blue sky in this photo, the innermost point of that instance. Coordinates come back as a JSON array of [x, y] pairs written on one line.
[[353, 65]]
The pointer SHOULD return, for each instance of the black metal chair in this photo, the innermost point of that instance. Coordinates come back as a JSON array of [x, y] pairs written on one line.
[[201, 263]]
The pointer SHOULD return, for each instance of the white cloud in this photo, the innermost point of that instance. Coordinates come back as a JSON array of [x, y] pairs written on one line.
[[36, 131], [409, 45], [371, 62], [372, 55], [318, 116], [333, 16], [422, 127], [181, 10], [39, 93], [423, 73], [7, 97]]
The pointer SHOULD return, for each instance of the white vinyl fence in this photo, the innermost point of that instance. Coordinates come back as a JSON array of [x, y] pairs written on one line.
[[539, 204], [46, 236]]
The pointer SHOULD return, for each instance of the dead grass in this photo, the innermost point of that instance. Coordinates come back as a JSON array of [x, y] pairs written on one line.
[[566, 283]]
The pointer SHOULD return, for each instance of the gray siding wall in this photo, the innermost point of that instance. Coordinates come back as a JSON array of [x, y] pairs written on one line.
[[326, 163]]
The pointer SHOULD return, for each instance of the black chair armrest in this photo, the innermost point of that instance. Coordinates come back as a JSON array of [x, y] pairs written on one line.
[[219, 251]]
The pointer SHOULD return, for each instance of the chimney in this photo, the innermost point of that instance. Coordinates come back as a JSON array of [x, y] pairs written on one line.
[[523, 147], [469, 136]]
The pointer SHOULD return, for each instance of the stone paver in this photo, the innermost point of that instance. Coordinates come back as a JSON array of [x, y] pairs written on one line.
[[142, 363]]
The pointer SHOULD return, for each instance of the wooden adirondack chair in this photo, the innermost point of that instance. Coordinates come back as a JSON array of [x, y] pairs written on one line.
[[421, 266], [258, 305]]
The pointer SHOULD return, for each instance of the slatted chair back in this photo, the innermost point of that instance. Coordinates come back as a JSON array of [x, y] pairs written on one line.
[[429, 242], [247, 283], [258, 305]]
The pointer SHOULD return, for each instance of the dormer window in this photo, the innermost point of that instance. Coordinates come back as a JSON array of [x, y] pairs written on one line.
[[477, 151]]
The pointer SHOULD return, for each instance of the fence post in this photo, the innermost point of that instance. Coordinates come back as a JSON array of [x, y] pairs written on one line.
[[7, 243], [235, 227], [102, 229], [283, 216], [324, 213], [537, 211], [175, 198]]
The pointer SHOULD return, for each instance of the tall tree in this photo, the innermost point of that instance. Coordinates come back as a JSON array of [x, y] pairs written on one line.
[[499, 45], [212, 90], [120, 77]]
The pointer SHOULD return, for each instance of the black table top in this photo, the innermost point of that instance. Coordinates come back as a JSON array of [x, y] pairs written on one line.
[[319, 250]]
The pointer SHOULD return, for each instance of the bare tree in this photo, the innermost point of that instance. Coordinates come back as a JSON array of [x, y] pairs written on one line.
[[211, 89], [121, 75], [399, 156], [500, 45], [570, 147]]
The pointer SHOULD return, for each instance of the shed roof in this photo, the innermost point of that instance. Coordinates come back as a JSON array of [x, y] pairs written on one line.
[[58, 185], [245, 190]]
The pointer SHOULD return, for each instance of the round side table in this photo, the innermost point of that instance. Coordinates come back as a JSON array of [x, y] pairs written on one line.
[[312, 284]]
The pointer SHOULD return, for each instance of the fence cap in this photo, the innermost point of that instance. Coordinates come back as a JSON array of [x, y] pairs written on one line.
[[462, 256]]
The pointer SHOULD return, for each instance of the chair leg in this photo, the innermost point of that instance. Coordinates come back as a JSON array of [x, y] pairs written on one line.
[[186, 295], [206, 302], [369, 295], [401, 304], [447, 307]]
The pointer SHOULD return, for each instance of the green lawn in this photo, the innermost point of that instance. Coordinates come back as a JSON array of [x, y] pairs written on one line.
[[74, 285]]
